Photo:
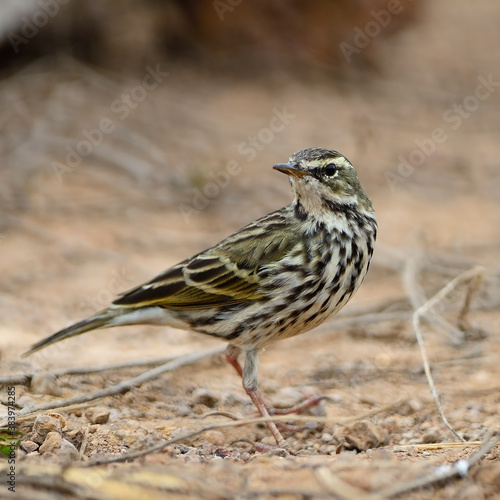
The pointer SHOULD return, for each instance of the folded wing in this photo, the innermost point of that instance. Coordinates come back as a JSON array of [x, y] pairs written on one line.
[[223, 275]]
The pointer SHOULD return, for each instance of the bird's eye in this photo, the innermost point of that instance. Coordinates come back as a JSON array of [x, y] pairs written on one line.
[[330, 170]]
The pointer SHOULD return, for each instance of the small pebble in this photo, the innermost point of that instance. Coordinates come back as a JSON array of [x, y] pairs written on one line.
[[97, 415], [75, 437], [183, 410], [68, 451], [44, 424], [222, 453], [217, 438], [63, 449], [363, 435], [411, 407], [52, 442], [29, 446], [432, 436], [326, 437]]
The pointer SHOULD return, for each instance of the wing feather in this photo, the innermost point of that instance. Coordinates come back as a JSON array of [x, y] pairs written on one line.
[[222, 275]]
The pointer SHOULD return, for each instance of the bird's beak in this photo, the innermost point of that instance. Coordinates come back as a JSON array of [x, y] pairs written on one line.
[[293, 169]]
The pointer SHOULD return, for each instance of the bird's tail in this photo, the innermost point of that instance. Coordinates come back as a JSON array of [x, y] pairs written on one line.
[[100, 320]]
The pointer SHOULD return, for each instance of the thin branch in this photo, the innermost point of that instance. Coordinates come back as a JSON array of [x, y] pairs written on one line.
[[458, 468], [424, 310], [471, 289], [25, 379], [67, 408], [88, 370], [416, 294], [21, 379], [124, 386], [294, 418], [437, 446]]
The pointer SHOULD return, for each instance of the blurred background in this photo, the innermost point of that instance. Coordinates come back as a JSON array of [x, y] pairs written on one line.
[[137, 132]]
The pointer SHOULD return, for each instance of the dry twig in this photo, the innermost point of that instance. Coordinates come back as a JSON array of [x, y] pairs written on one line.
[[422, 312], [122, 387], [188, 435], [458, 468], [25, 378], [416, 294], [471, 289], [437, 446]]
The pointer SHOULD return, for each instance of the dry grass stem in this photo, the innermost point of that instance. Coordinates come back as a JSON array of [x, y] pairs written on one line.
[[423, 311], [458, 468], [124, 386], [25, 379], [293, 418]]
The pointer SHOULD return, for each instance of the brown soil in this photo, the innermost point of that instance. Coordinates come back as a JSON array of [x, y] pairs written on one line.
[[70, 243]]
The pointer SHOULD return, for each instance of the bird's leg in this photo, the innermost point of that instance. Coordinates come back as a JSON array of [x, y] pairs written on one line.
[[249, 377], [232, 353]]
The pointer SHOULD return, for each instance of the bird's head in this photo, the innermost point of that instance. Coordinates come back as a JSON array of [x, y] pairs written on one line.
[[322, 178]]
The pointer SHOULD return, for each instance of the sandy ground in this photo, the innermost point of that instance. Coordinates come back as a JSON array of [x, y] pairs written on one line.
[[73, 238]]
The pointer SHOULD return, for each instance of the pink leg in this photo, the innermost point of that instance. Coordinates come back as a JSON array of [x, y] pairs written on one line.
[[299, 408], [255, 396]]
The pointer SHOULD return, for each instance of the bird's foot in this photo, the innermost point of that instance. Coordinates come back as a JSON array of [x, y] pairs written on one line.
[[298, 408]]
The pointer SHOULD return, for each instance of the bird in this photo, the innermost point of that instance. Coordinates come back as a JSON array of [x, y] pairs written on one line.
[[279, 276]]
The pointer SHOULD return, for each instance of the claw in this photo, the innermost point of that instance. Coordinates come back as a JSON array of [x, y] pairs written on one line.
[[299, 408]]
